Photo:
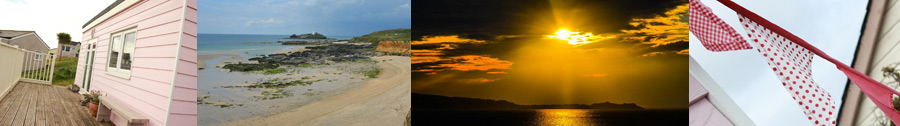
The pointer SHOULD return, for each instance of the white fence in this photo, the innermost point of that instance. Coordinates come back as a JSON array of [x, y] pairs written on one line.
[[18, 64], [10, 66]]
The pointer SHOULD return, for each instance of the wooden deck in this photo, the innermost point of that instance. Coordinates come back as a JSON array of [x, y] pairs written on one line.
[[29, 104]]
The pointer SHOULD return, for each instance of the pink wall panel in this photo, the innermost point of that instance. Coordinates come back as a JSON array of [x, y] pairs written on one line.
[[129, 96], [185, 106], [189, 41], [185, 94], [156, 51], [157, 40], [186, 81], [148, 90], [152, 86], [184, 103], [128, 17], [187, 68], [164, 63], [176, 119], [152, 74], [140, 97], [190, 26], [188, 54]]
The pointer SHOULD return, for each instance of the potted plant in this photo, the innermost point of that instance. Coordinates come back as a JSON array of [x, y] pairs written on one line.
[[86, 99], [95, 101]]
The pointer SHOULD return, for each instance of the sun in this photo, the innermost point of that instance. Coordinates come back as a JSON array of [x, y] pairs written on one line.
[[577, 38]]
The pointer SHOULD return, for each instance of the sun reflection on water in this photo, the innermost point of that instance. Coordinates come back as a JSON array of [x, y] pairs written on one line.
[[565, 117]]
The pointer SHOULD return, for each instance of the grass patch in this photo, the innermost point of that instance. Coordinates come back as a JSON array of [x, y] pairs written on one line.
[[373, 73], [304, 65], [63, 73], [275, 71], [392, 34]]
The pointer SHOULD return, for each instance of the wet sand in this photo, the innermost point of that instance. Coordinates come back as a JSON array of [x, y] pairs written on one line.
[[296, 49], [202, 59], [383, 101]]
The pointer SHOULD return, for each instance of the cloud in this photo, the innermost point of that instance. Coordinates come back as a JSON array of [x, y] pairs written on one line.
[[477, 80], [661, 31], [310, 3], [269, 21], [461, 63], [406, 5], [473, 62], [445, 39]]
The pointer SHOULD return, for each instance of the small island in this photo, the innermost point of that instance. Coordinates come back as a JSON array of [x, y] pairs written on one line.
[[426, 101], [314, 35]]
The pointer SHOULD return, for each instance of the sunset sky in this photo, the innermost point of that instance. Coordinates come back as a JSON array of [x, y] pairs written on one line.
[[503, 50]]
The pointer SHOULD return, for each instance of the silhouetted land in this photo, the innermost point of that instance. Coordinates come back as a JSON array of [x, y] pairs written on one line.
[[426, 101]]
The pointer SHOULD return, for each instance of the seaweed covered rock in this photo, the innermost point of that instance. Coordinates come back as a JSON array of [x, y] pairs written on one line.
[[321, 54], [250, 67]]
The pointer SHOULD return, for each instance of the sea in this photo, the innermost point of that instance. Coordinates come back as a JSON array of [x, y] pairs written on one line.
[[219, 43], [548, 117]]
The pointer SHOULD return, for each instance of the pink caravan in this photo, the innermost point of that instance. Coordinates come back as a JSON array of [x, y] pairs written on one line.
[[142, 54]]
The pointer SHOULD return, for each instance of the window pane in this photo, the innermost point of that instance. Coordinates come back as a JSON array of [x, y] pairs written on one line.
[[128, 51], [114, 51]]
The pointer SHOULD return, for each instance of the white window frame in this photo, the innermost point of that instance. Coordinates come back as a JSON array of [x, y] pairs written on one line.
[[118, 71]]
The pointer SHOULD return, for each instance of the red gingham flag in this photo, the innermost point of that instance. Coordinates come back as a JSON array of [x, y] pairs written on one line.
[[714, 33], [790, 57]]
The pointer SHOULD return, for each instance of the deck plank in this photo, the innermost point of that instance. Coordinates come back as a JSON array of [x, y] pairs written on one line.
[[26, 104], [6, 106], [30, 104], [30, 113], [10, 116]]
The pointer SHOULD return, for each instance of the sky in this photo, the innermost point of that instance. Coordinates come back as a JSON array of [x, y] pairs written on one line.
[[503, 51], [832, 26], [48, 17], [285, 17]]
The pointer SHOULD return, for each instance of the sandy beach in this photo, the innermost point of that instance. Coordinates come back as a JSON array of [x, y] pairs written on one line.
[[383, 101], [296, 49]]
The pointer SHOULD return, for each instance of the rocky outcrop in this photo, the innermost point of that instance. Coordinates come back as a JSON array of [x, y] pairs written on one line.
[[308, 36], [321, 55], [310, 42], [394, 47]]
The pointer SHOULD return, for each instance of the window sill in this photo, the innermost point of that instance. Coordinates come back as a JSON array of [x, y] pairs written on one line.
[[123, 75]]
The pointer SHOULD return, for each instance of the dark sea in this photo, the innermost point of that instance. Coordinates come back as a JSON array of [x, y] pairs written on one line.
[[549, 117]]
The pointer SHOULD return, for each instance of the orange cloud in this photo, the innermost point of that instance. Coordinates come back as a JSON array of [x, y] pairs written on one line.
[[426, 52], [683, 52], [477, 80], [474, 62], [424, 59], [661, 29], [496, 72], [444, 39]]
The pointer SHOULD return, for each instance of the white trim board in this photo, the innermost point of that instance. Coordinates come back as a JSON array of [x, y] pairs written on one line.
[[718, 97]]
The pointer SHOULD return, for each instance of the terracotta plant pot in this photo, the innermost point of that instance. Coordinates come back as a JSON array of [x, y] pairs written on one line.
[[94, 107]]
